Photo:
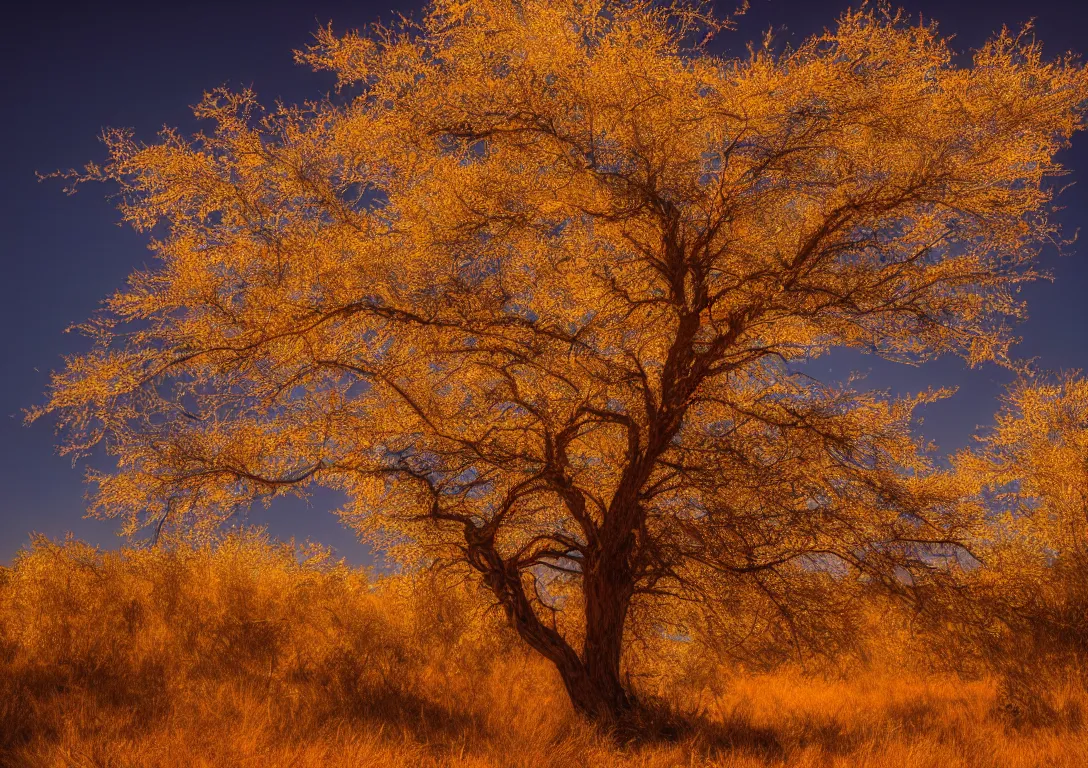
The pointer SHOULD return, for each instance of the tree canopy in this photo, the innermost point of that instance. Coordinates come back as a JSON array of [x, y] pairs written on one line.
[[1034, 463], [533, 288]]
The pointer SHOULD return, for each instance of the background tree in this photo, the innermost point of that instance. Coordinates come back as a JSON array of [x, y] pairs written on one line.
[[532, 291], [1036, 460], [1031, 598]]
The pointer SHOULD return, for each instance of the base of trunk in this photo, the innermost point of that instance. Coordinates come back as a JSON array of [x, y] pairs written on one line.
[[603, 701]]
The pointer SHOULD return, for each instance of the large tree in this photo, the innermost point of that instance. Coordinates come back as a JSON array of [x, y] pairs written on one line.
[[535, 289]]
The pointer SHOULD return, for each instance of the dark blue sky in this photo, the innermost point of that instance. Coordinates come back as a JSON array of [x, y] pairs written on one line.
[[68, 72]]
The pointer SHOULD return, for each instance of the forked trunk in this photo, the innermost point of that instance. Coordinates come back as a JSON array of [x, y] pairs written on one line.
[[592, 679]]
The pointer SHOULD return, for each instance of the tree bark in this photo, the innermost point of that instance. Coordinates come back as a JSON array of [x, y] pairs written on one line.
[[608, 588], [605, 704], [592, 680]]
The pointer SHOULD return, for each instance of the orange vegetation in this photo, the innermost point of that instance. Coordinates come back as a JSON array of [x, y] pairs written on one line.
[[534, 292], [251, 653]]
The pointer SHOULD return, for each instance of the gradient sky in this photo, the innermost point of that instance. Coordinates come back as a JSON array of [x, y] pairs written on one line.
[[69, 72]]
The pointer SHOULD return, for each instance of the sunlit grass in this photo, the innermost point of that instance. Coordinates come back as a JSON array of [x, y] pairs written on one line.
[[242, 655]]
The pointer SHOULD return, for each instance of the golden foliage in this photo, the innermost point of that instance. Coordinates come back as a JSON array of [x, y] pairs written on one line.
[[1029, 597], [532, 290], [1036, 458]]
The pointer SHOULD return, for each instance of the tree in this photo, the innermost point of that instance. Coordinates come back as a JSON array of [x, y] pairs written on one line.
[[1034, 464], [1036, 460], [535, 290]]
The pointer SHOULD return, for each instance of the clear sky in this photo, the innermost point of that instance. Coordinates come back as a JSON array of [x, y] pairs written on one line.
[[70, 70]]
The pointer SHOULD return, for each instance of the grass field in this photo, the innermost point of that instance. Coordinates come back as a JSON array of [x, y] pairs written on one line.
[[246, 656]]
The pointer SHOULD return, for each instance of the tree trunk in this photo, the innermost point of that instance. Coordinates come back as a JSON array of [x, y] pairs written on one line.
[[592, 680], [604, 704], [607, 598]]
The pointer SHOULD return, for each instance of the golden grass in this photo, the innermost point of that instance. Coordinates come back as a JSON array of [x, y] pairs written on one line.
[[242, 656]]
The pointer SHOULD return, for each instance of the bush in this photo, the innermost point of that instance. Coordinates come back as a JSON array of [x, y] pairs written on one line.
[[243, 649]]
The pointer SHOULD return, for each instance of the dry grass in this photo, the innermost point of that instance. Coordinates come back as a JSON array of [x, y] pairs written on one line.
[[243, 656]]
